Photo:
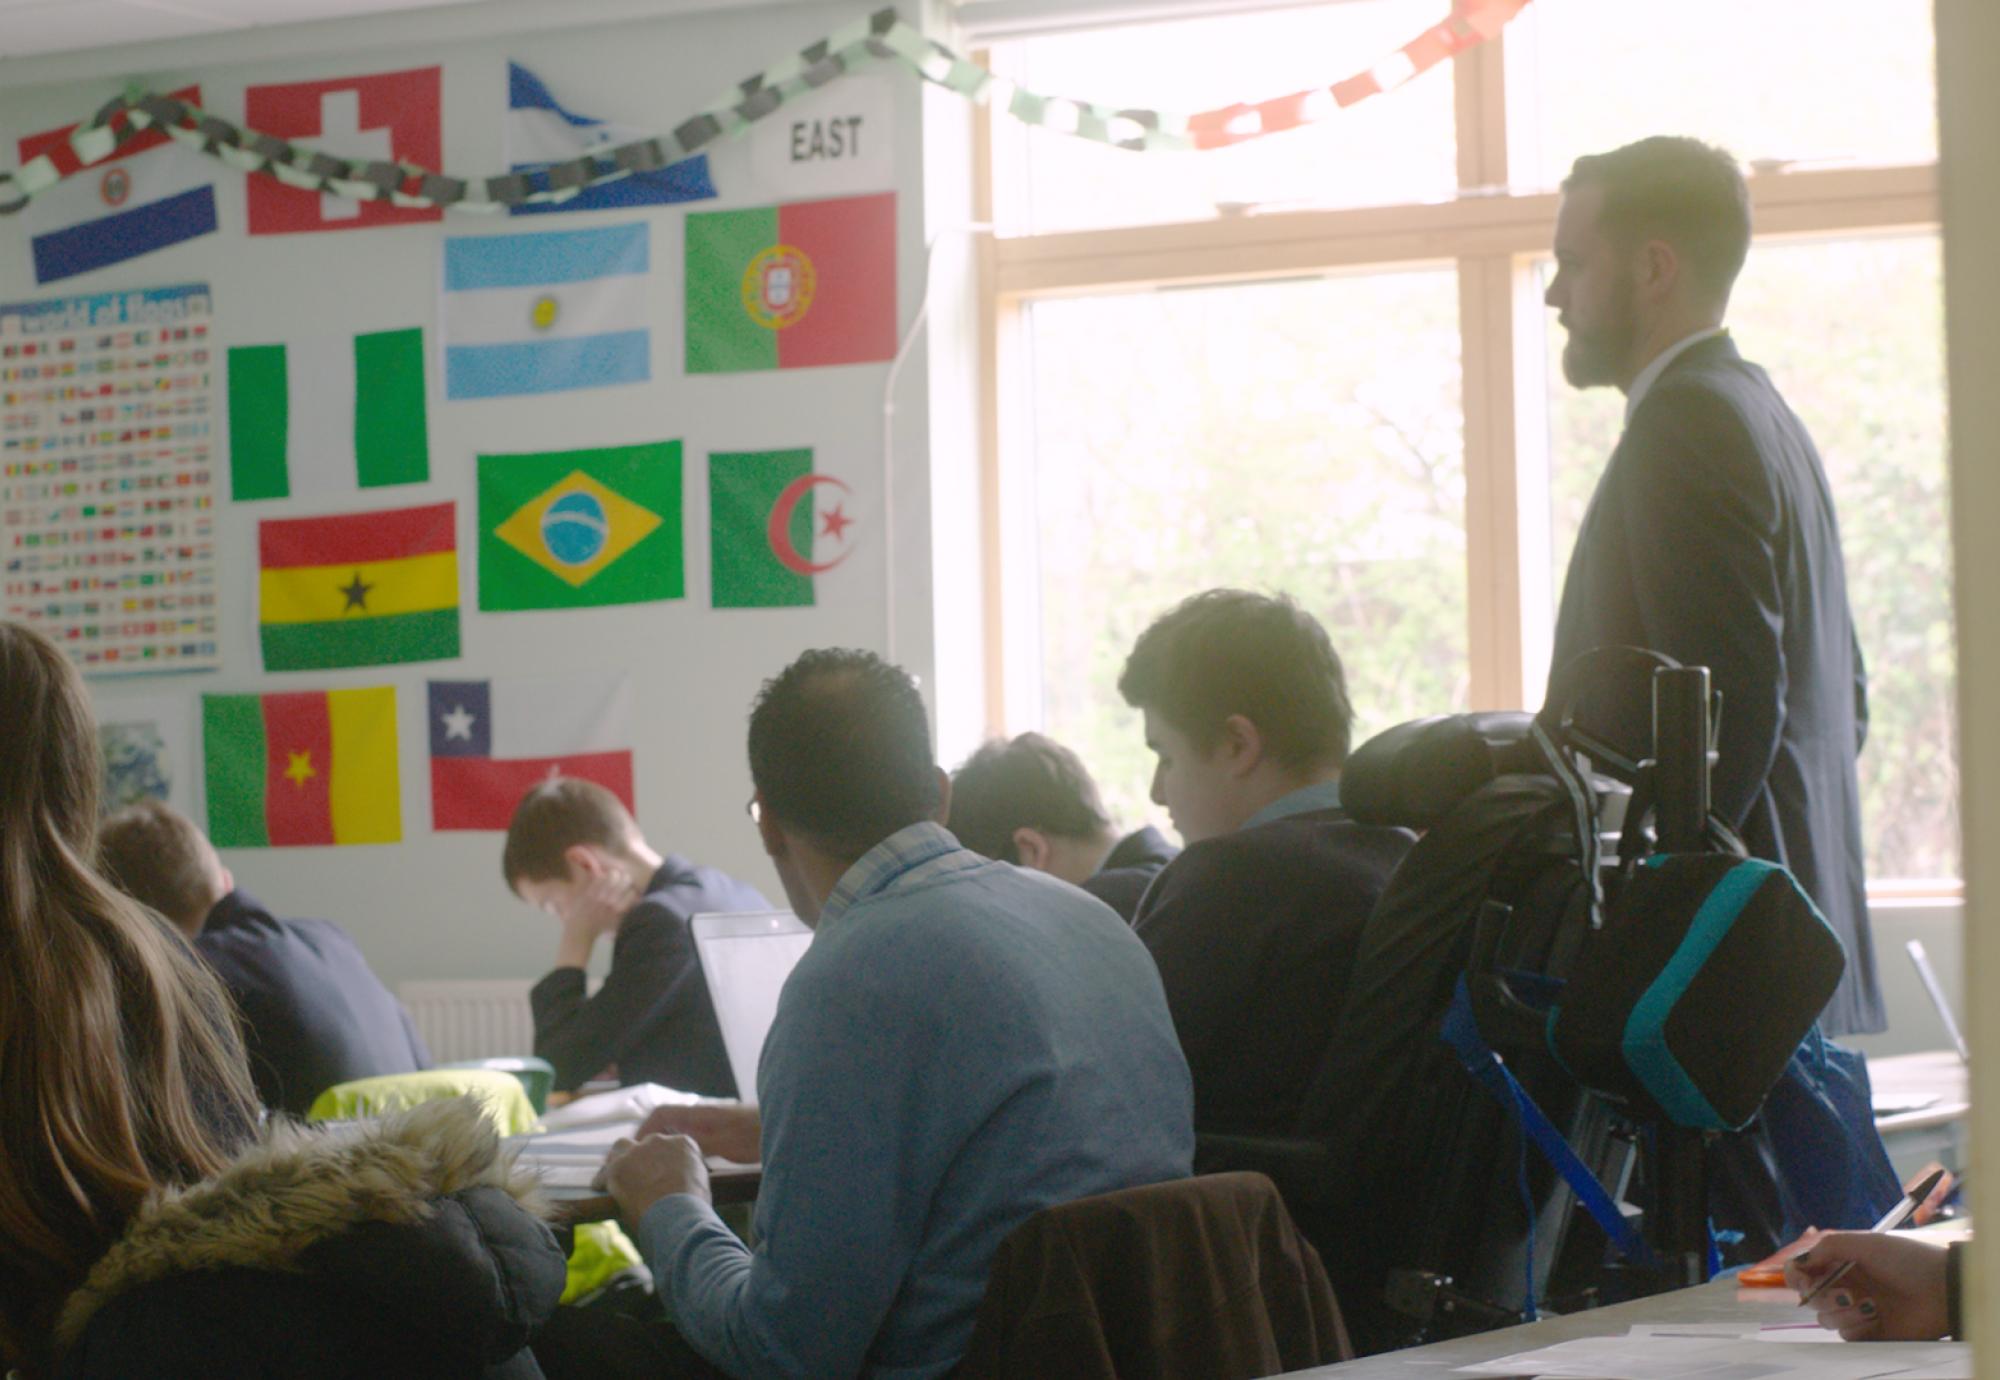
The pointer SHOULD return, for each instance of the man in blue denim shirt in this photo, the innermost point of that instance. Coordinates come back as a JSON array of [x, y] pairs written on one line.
[[965, 1044]]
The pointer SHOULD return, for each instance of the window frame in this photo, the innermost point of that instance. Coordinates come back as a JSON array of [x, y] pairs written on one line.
[[1491, 234]]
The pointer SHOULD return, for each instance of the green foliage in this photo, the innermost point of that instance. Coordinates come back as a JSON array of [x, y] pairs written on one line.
[[1302, 437]]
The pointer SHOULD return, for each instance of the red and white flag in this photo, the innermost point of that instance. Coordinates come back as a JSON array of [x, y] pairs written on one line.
[[388, 117]]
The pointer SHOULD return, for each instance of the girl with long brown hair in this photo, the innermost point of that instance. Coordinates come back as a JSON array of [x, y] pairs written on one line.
[[121, 1070]]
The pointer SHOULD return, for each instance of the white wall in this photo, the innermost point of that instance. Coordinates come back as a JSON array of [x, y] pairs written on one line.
[[434, 905]]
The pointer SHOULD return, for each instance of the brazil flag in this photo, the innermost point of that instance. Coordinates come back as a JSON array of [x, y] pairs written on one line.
[[580, 528]]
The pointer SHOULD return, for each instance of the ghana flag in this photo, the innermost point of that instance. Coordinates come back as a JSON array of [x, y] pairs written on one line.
[[580, 528], [314, 767], [788, 287], [358, 589]]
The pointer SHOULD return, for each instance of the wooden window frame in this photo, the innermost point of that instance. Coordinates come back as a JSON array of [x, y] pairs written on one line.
[[1492, 237]]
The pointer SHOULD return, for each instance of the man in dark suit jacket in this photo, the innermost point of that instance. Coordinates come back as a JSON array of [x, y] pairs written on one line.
[[1029, 801], [1254, 928], [574, 851], [314, 1013], [1712, 535]]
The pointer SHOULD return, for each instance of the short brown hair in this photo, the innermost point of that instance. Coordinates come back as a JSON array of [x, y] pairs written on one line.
[[555, 817], [1032, 782], [1229, 652], [1687, 193], [157, 856]]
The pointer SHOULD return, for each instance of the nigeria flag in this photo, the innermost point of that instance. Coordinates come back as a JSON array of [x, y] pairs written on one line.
[[327, 414]]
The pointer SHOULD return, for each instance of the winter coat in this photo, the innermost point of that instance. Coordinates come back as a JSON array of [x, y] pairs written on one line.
[[404, 1247]]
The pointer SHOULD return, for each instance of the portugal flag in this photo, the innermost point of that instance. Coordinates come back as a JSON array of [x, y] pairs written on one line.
[[358, 589], [774, 525], [316, 767], [788, 287]]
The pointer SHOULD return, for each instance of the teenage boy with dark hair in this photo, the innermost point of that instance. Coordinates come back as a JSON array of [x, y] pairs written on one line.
[[1029, 801], [314, 1013], [964, 1044], [1255, 926], [574, 851]]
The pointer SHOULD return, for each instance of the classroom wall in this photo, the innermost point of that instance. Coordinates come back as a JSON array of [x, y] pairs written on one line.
[[434, 904]]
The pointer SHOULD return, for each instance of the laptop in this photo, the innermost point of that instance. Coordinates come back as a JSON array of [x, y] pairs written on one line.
[[746, 957]]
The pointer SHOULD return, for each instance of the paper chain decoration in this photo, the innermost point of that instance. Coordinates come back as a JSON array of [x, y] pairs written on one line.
[[883, 35]]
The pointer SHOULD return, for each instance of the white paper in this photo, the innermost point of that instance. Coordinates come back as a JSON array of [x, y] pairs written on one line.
[[1731, 1351], [836, 141]]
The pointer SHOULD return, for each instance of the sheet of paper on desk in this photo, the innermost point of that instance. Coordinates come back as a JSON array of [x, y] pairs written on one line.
[[618, 1105], [1662, 1355]]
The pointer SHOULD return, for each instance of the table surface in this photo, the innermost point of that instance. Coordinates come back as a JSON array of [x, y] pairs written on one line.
[[1937, 1073], [1718, 1301]]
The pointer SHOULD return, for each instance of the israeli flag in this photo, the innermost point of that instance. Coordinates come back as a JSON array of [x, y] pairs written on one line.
[[546, 313], [540, 131]]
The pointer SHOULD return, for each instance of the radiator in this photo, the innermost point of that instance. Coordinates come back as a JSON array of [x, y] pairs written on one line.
[[471, 1020]]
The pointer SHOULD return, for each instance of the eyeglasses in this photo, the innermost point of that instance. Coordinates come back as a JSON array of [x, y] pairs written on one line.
[[755, 809]]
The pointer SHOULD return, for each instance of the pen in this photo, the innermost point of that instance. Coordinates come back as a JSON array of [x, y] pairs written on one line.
[[1895, 1217]]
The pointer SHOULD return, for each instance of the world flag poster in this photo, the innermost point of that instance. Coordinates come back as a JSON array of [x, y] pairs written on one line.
[[107, 503], [539, 130], [314, 767], [358, 589], [580, 528], [327, 414], [387, 117], [493, 740], [774, 527], [150, 194], [792, 286], [546, 313]]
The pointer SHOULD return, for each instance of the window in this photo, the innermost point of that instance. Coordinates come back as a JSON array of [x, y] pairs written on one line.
[[1772, 83], [1377, 155], [1352, 394], [1249, 435]]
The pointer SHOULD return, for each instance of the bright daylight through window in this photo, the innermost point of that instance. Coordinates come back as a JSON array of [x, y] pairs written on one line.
[[1315, 431]]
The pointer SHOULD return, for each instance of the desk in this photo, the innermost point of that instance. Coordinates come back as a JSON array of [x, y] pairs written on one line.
[[1934, 1086], [1715, 1302], [735, 1183]]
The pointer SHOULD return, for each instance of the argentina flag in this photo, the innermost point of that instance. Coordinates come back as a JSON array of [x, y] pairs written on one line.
[[545, 313], [540, 131]]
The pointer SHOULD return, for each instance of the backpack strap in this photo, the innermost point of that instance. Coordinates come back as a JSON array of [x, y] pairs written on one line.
[[1460, 1030]]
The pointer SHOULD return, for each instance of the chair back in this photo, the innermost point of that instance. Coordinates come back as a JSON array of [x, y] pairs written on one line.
[[1204, 1277]]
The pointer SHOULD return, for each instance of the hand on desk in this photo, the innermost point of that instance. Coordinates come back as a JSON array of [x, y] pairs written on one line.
[[640, 1173], [1894, 1293], [727, 1129]]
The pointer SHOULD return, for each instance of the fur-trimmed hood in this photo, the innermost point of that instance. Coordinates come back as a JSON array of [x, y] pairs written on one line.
[[418, 1213]]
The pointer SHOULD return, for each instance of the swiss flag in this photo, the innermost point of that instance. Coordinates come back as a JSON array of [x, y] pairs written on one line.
[[388, 116]]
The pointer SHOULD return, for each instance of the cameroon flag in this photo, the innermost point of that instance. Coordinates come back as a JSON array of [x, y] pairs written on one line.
[[315, 767], [358, 589], [788, 287], [580, 528]]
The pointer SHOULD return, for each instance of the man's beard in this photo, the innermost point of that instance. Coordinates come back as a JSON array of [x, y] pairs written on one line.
[[1597, 357]]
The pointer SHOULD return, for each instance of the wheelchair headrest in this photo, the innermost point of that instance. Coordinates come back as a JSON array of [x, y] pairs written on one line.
[[1412, 774], [1601, 705]]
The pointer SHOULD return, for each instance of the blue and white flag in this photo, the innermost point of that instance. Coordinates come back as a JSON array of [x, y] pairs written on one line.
[[539, 131], [546, 313]]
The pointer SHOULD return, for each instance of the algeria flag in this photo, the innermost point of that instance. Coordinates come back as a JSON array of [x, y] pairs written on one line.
[[775, 526]]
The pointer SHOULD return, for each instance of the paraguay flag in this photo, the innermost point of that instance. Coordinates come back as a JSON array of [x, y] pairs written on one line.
[[546, 313], [539, 131], [150, 194], [493, 740]]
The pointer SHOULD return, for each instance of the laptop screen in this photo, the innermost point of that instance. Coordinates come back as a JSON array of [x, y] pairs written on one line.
[[746, 958]]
